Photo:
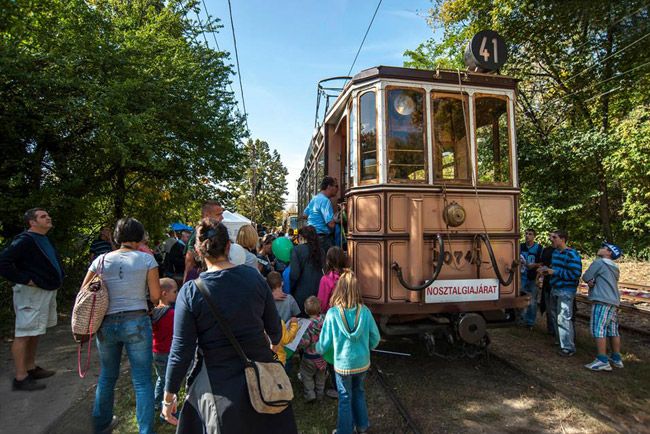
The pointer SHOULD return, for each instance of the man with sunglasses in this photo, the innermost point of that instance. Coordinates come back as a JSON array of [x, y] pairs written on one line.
[[565, 272]]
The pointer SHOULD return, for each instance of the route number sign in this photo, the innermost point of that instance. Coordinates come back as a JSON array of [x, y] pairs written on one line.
[[486, 52]]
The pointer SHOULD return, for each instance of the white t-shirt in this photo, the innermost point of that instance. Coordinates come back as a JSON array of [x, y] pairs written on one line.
[[125, 276]]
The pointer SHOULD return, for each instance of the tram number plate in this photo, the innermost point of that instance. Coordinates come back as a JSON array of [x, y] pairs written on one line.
[[448, 291]]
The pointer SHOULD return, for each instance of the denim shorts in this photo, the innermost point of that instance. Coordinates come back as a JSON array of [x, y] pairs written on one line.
[[35, 310]]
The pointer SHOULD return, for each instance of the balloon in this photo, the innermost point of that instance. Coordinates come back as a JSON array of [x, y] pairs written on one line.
[[282, 249], [237, 254]]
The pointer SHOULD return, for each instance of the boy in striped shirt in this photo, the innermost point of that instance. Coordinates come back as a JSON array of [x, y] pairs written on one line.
[[565, 271]]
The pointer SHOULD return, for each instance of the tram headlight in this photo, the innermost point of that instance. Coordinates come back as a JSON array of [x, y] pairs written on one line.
[[404, 105]]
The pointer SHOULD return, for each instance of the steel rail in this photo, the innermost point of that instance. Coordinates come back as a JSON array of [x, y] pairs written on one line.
[[393, 397], [636, 286], [623, 306]]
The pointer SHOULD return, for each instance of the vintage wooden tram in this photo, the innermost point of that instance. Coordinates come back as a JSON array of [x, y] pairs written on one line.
[[426, 161]]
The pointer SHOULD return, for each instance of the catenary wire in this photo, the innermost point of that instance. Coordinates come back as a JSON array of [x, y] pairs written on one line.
[[214, 37], [241, 86], [620, 74], [616, 22], [601, 61], [364, 37], [203, 30]]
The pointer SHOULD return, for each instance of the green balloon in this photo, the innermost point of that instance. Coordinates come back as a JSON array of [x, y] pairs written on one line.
[[282, 248]]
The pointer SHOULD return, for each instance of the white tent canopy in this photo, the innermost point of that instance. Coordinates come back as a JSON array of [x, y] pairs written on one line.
[[233, 221]]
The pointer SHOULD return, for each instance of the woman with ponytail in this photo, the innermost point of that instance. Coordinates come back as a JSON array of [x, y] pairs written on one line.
[[307, 261], [218, 399]]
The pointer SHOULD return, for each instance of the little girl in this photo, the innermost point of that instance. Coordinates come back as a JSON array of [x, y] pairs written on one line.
[[349, 333], [334, 265]]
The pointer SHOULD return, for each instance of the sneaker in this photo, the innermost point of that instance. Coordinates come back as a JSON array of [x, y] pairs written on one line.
[[332, 393], [597, 365], [566, 353], [27, 385], [39, 373], [618, 363]]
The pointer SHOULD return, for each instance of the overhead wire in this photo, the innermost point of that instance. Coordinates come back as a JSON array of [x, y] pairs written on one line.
[[241, 86], [620, 74], [214, 37], [616, 22], [364, 37], [601, 61]]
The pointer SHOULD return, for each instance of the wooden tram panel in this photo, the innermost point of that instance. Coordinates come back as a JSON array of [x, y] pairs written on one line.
[[378, 235], [378, 219]]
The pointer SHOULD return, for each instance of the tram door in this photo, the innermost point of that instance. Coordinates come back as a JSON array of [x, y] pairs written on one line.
[[337, 156]]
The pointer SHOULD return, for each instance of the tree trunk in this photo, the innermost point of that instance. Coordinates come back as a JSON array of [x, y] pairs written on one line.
[[119, 193], [603, 201]]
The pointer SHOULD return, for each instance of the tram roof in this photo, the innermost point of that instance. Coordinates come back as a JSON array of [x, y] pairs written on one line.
[[435, 76]]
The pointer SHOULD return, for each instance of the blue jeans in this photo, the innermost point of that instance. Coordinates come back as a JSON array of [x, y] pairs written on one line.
[[529, 314], [160, 365], [353, 411], [551, 313], [564, 331], [132, 331]]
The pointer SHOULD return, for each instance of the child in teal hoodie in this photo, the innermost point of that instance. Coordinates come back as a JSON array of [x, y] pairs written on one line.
[[348, 334]]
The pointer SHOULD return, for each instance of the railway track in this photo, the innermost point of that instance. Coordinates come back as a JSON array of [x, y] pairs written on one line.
[[383, 382]]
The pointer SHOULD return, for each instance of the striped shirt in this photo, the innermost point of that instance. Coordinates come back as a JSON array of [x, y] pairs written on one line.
[[567, 268]]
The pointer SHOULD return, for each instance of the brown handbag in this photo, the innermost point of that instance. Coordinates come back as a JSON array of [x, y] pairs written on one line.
[[269, 388]]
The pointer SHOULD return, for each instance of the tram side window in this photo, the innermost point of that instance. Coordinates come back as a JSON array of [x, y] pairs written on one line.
[[451, 150], [492, 140], [367, 137], [406, 136], [352, 147]]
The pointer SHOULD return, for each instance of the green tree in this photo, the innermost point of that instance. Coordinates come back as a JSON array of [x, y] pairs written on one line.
[[125, 111], [582, 70], [259, 194]]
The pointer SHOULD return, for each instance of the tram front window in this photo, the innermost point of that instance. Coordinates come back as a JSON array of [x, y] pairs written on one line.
[[451, 152], [492, 140], [406, 136], [367, 137]]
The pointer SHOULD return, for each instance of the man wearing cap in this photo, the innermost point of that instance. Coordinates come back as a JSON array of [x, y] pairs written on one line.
[[32, 263], [602, 278], [320, 213]]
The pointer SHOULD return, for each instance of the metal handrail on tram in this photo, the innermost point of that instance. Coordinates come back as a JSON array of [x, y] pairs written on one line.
[[493, 260], [441, 257]]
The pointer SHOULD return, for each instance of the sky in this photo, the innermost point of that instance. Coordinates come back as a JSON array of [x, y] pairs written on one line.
[[285, 47]]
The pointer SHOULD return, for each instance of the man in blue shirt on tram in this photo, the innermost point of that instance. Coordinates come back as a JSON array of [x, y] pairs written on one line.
[[565, 272], [320, 213]]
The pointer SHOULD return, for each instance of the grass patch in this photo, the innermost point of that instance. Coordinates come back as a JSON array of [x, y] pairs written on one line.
[[312, 418]]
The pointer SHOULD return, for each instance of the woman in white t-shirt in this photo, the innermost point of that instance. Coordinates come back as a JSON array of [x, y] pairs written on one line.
[[127, 273]]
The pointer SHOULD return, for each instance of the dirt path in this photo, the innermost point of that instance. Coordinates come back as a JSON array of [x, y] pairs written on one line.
[[475, 396], [41, 411], [620, 398]]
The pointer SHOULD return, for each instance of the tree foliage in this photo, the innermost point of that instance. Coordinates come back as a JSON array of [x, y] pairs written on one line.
[[111, 108], [582, 107], [258, 194]]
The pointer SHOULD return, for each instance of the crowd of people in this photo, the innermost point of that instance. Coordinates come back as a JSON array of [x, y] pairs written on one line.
[[556, 271], [159, 315]]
